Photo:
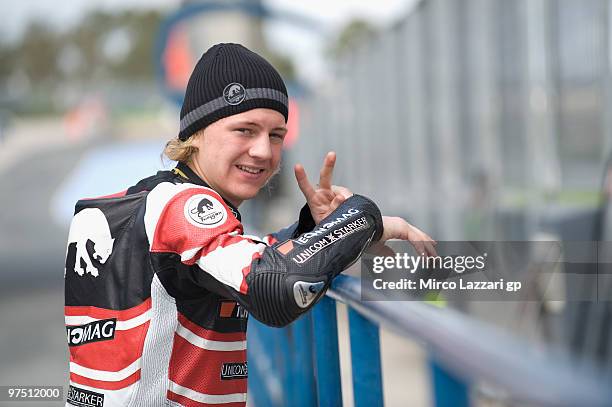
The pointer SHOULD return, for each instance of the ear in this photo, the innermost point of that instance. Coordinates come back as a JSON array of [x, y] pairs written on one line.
[[198, 138]]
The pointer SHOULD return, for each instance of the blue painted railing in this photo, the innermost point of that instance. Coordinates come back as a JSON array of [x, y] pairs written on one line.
[[299, 365]]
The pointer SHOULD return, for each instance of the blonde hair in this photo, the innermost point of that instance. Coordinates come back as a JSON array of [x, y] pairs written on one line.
[[179, 150]]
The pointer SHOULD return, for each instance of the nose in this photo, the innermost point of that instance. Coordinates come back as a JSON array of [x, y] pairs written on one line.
[[260, 147]]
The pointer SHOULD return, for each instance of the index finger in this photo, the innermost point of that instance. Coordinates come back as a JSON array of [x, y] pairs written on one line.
[[325, 178], [302, 180]]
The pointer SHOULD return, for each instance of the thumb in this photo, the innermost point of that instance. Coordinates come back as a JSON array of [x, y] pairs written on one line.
[[337, 201]]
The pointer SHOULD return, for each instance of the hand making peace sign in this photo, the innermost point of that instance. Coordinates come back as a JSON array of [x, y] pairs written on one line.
[[325, 198]]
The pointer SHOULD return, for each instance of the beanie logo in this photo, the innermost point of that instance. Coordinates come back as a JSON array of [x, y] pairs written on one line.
[[234, 93]]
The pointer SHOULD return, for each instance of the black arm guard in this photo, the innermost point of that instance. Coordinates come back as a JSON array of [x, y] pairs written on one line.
[[291, 276]]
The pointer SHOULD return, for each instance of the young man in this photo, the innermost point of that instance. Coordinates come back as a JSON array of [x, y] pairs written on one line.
[[160, 279]]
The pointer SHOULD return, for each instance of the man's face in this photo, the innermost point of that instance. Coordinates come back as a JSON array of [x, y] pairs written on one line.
[[238, 154]]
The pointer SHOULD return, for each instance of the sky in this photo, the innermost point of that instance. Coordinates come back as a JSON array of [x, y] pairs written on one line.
[[16, 14]]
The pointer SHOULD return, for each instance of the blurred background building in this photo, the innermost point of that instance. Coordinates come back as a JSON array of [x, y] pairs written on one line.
[[474, 119]]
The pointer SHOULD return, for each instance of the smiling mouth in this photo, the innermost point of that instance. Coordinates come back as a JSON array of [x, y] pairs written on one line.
[[250, 170]]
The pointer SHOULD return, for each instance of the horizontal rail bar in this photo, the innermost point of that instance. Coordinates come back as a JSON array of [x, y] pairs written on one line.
[[477, 352]]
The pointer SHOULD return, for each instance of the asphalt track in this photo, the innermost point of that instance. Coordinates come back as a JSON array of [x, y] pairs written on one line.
[[32, 344], [31, 243]]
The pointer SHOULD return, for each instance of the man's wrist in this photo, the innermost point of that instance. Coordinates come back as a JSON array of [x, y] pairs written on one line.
[[306, 222]]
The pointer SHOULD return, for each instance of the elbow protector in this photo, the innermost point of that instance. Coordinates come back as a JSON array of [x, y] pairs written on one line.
[[291, 276]]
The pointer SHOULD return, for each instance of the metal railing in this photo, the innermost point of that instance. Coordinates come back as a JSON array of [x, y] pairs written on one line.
[[299, 365]]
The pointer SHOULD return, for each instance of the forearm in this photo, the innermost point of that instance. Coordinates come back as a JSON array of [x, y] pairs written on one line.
[[289, 278]]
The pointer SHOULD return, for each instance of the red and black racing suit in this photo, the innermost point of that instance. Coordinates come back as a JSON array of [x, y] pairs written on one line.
[[160, 279]]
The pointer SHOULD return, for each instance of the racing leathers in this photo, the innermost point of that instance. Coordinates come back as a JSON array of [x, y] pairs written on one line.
[[160, 279]]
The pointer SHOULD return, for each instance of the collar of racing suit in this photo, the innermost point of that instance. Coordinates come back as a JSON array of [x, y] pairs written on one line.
[[185, 172]]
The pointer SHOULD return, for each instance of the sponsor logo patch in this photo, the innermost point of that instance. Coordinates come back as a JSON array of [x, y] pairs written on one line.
[[305, 293], [285, 247], [84, 398], [231, 309], [234, 93], [102, 330], [333, 236], [90, 224], [205, 211], [322, 229], [232, 371]]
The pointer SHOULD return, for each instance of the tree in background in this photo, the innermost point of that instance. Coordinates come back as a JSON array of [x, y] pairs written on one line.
[[352, 35], [102, 47]]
